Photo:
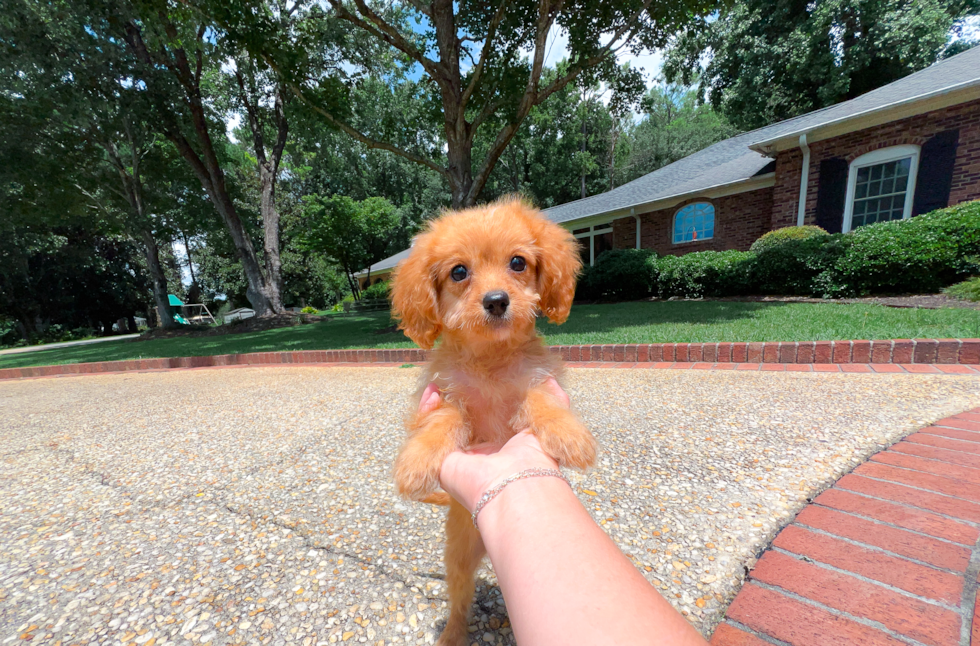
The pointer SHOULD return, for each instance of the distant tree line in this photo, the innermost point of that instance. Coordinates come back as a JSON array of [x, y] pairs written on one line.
[[261, 152]]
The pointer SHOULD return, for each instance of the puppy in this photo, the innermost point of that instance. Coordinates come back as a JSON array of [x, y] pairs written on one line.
[[478, 278]]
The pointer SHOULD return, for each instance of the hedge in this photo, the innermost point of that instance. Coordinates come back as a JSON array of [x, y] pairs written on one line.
[[705, 273], [922, 254], [782, 236], [619, 274]]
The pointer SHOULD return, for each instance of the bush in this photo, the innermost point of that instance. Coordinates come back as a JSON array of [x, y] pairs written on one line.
[[786, 235], [377, 290], [792, 266], [705, 273], [968, 290], [309, 309], [922, 255], [619, 274]]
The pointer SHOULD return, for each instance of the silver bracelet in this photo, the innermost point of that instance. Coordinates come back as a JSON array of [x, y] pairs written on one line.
[[492, 492]]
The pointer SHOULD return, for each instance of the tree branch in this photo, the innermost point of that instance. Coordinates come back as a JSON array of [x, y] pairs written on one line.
[[426, 11], [253, 118], [498, 17], [380, 29], [364, 139]]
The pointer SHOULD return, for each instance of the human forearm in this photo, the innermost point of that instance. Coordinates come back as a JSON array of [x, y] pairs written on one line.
[[564, 580]]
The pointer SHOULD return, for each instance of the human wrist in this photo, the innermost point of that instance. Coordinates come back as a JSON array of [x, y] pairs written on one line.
[[520, 502], [468, 476], [497, 489]]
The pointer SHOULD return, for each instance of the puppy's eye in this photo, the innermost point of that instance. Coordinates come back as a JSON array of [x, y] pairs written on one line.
[[458, 273], [518, 264]]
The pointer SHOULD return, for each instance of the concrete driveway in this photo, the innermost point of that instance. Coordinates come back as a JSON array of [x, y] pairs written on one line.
[[253, 505]]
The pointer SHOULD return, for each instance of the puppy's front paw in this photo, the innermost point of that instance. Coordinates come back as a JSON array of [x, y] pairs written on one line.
[[566, 439], [416, 471]]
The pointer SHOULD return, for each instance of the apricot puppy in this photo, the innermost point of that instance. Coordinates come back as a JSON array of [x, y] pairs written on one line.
[[478, 279]]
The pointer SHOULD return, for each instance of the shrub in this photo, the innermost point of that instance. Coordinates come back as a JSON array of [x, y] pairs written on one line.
[[921, 255], [786, 235], [377, 290], [309, 309], [792, 266], [705, 273], [968, 290], [619, 274]]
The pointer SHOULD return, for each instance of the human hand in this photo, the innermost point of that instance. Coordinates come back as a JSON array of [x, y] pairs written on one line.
[[466, 475]]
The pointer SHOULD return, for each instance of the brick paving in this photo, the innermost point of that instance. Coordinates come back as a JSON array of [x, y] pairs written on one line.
[[889, 555], [923, 356]]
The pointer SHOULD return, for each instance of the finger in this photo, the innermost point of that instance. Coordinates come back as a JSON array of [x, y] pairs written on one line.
[[552, 386], [430, 399]]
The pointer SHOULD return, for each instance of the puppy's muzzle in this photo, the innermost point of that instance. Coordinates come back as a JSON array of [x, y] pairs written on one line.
[[495, 303]]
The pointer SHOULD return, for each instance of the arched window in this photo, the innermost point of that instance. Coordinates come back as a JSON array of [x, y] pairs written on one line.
[[880, 186], [694, 222]]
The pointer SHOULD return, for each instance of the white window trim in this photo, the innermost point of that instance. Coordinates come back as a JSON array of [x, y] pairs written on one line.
[[673, 222], [874, 158], [597, 229]]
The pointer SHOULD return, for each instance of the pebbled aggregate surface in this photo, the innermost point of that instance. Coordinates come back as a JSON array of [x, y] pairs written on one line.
[[254, 505]]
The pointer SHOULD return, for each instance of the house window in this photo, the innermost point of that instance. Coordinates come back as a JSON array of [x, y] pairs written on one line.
[[594, 241], [880, 186], [694, 222]]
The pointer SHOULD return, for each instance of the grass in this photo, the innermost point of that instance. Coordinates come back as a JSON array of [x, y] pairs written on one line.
[[968, 290], [677, 321]]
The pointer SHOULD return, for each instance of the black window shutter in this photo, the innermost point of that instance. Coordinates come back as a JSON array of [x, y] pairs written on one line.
[[935, 176], [831, 192]]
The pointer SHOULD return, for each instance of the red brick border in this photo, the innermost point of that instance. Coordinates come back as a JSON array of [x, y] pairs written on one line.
[[890, 553], [910, 355]]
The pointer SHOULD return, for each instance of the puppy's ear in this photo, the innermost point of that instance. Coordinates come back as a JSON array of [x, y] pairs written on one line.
[[559, 265], [413, 295]]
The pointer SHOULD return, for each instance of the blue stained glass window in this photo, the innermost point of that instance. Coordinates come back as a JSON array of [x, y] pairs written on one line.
[[694, 222]]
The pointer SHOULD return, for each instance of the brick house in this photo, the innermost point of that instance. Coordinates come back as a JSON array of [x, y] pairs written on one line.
[[906, 148]]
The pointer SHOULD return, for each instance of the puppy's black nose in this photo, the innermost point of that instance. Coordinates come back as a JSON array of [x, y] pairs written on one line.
[[495, 303]]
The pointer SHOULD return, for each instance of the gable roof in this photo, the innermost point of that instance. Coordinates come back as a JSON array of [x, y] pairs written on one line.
[[735, 162], [745, 162]]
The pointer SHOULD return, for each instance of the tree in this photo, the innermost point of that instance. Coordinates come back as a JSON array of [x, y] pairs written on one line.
[[674, 125], [352, 234], [465, 62], [770, 60], [173, 46]]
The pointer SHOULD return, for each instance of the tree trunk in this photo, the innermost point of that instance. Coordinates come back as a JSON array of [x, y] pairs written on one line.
[[159, 279], [257, 291], [584, 138], [270, 223], [206, 165], [460, 174], [190, 261], [131, 323]]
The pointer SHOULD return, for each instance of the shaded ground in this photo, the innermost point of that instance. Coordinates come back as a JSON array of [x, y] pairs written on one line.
[[67, 344], [254, 324], [927, 301], [254, 505], [636, 322]]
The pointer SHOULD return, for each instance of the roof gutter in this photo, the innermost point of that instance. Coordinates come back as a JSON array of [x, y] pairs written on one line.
[[804, 180], [751, 183], [765, 146]]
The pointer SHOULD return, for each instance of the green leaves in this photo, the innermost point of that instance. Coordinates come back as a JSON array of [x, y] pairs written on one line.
[[352, 234], [770, 60]]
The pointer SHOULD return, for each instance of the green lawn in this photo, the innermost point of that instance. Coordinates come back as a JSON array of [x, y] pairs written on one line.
[[678, 321]]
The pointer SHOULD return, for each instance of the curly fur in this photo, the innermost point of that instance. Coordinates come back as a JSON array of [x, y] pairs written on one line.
[[489, 369]]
